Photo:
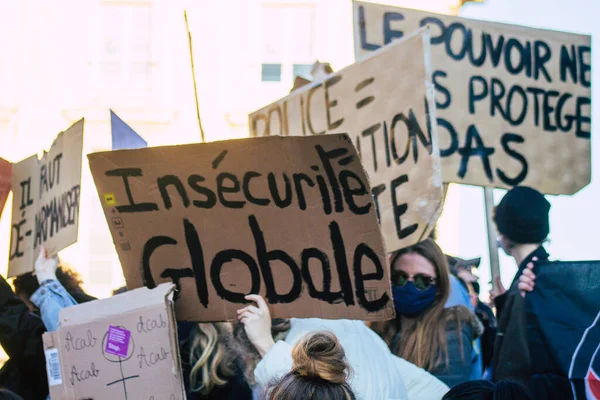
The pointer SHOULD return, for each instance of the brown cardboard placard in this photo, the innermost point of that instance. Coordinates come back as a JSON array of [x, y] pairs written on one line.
[[522, 119], [45, 209], [386, 104], [123, 347], [5, 182], [289, 218]]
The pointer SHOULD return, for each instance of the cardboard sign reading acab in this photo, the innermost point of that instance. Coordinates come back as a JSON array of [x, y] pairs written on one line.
[[5, 182], [45, 209], [123, 347], [386, 103], [289, 218], [513, 103]]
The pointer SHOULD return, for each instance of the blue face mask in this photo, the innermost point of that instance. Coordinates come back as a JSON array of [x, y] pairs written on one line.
[[411, 302]]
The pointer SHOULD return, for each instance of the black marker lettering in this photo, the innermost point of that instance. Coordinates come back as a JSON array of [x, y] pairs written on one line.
[[362, 251], [125, 173], [171, 180], [400, 209], [211, 198], [265, 258], [507, 138]]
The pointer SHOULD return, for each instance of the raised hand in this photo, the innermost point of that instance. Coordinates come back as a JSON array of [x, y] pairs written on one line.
[[257, 324]]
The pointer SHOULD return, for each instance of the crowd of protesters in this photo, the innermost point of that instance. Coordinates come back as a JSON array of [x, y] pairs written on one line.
[[444, 343]]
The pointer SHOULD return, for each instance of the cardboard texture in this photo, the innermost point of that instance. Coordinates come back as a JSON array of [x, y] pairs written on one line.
[[289, 218], [386, 104], [513, 103], [45, 209], [5, 182], [82, 365]]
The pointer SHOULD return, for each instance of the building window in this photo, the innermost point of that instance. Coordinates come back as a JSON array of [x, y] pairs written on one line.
[[287, 41], [271, 72], [302, 70], [126, 53]]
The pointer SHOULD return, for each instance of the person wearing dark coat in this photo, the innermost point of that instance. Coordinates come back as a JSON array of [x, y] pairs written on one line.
[[21, 338], [523, 223], [522, 219]]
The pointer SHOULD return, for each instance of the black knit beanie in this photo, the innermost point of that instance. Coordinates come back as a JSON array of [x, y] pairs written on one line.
[[522, 215]]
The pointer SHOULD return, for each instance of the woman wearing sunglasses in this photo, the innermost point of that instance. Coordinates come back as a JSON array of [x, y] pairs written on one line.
[[425, 333]]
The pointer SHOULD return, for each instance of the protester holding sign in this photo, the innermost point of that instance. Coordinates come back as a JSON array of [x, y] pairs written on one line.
[[425, 333], [50, 297], [522, 221], [378, 374], [29, 287], [549, 339]]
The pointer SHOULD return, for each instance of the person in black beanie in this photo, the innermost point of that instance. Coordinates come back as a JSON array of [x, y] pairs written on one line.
[[523, 225]]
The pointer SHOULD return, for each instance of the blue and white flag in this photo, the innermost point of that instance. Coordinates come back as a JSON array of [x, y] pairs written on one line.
[[123, 136]]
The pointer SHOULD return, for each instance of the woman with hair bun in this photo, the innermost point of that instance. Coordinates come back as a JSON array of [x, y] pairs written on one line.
[[320, 371], [377, 373]]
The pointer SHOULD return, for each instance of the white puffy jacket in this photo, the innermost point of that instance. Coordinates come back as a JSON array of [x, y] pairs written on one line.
[[377, 373]]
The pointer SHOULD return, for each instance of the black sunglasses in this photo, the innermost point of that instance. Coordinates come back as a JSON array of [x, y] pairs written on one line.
[[421, 281]]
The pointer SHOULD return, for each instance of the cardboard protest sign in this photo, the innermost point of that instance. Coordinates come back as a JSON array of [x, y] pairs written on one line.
[[45, 209], [123, 347], [386, 104], [289, 218], [5, 182], [513, 103]]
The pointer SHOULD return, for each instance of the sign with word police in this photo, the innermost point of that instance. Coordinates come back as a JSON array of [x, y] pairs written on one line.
[[513, 103], [386, 104], [291, 219], [45, 208]]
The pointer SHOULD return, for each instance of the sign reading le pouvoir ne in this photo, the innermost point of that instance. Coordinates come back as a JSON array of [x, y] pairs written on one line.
[[386, 103], [289, 218], [45, 208], [513, 103]]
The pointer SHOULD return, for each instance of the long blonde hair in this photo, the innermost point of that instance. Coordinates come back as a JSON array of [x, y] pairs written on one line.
[[212, 362], [423, 341]]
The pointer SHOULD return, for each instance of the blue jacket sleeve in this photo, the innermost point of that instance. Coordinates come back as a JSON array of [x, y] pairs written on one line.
[[459, 356], [50, 298]]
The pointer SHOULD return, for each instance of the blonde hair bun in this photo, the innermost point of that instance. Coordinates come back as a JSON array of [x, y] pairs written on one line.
[[320, 355]]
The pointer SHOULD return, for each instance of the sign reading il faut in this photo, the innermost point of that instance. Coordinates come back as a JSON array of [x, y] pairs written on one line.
[[291, 219], [45, 208], [513, 103], [386, 104]]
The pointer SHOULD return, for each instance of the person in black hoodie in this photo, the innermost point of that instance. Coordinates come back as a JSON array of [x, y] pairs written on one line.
[[21, 337]]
